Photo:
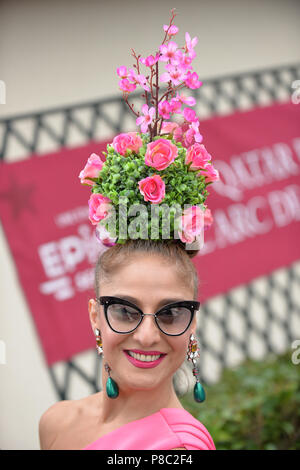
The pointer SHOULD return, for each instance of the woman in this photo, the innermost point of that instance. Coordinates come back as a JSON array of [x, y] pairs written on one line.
[[146, 414], [144, 313]]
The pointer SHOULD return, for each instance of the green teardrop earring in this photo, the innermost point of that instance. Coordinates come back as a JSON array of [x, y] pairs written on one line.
[[199, 392], [112, 388]]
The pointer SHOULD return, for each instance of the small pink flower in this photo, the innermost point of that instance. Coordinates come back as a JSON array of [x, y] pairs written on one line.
[[153, 189], [146, 120], [122, 71], [169, 52], [138, 79], [194, 129], [99, 207], [91, 170], [191, 223], [188, 134], [160, 154], [126, 86], [192, 136], [173, 74], [172, 30], [190, 44], [179, 133], [185, 60], [189, 115], [129, 141], [150, 60], [192, 80], [189, 100], [164, 109], [168, 127], [175, 106], [211, 174], [198, 156]]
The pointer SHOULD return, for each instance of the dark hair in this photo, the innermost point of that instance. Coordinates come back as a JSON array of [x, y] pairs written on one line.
[[172, 250]]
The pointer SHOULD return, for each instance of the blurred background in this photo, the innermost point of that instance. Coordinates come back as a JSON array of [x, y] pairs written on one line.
[[60, 97]]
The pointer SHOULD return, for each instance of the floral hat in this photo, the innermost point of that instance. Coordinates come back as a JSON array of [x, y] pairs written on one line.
[[153, 183]]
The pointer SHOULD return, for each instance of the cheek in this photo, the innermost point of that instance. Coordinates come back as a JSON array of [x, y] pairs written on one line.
[[180, 346], [111, 340]]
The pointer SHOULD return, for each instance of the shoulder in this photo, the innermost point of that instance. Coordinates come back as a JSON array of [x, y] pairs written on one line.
[[191, 432], [52, 420], [57, 419]]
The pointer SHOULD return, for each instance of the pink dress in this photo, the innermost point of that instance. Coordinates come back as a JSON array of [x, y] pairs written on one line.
[[166, 429]]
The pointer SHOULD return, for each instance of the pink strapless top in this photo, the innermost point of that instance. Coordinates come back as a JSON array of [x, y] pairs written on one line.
[[166, 429]]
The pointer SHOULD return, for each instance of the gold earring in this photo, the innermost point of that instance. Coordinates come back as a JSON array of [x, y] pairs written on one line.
[[192, 354], [98, 341]]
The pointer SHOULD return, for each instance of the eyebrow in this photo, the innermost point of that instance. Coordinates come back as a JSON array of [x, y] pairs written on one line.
[[136, 301]]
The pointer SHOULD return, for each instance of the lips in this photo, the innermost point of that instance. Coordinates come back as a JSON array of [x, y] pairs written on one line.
[[144, 364]]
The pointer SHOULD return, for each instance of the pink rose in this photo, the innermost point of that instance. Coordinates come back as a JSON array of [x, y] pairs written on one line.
[[91, 170], [191, 223], [160, 154], [198, 156], [99, 206], [103, 236], [135, 142], [121, 143], [129, 141], [210, 173], [152, 188]]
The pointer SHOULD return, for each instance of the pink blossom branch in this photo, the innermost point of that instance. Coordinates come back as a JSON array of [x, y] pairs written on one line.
[[178, 87], [156, 99], [170, 24], [125, 97], [137, 66]]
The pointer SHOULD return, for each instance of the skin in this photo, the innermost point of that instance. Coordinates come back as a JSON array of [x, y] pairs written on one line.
[[73, 424]]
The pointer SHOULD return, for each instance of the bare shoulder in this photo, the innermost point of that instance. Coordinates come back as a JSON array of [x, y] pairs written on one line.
[[54, 420], [61, 425]]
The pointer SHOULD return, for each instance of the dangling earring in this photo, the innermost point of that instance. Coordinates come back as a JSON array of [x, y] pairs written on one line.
[[98, 341], [112, 388], [193, 352]]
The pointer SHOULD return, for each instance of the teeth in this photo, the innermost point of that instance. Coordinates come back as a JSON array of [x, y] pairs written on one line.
[[142, 357]]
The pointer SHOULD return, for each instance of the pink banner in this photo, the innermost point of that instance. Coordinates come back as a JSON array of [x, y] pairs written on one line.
[[44, 211], [255, 205]]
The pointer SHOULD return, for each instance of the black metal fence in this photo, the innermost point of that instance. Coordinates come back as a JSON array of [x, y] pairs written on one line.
[[250, 321]]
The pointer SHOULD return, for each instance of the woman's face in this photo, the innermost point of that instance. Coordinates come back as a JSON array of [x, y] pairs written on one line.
[[147, 280]]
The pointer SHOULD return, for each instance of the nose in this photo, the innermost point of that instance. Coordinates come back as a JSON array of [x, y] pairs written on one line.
[[147, 332]]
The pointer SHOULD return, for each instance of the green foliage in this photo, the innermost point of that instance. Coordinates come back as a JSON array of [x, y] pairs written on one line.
[[120, 175], [254, 407]]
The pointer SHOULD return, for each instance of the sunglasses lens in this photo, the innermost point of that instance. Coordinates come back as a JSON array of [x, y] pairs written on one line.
[[122, 318], [175, 320]]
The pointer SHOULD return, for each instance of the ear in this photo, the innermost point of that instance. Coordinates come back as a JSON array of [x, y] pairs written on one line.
[[193, 326], [94, 314]]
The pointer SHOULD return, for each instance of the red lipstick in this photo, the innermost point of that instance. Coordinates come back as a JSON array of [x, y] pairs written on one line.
[[144, 364]]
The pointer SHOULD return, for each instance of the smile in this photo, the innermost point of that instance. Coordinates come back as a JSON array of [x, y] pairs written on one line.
[[146, 359]]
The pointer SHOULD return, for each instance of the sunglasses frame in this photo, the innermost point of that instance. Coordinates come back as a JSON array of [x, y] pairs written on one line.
[[106, 301]]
